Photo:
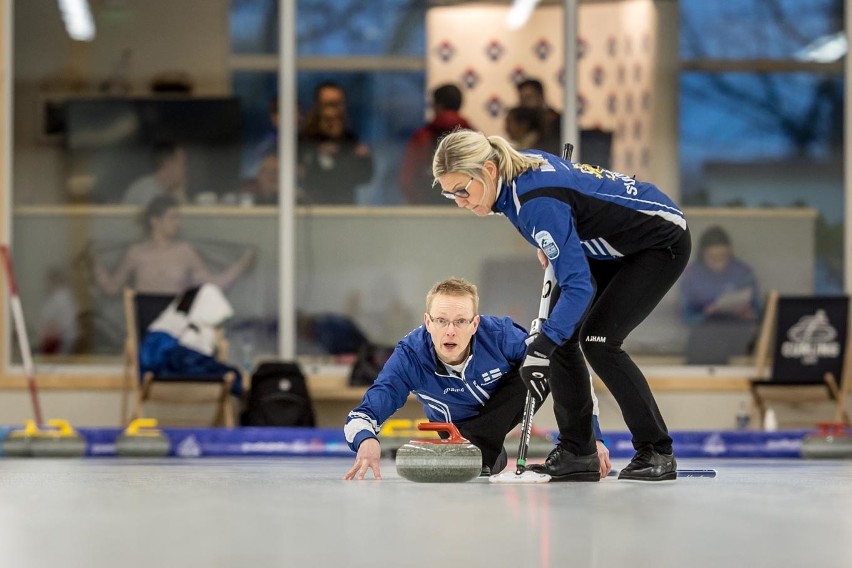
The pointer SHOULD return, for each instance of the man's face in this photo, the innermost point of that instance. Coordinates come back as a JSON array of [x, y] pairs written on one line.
[[530, 98], [451, 342]]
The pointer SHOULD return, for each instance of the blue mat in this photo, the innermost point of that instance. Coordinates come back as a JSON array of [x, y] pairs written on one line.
[[217, 442]]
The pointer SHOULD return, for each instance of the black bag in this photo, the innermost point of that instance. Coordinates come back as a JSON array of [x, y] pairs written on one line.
[[371, 359], [278, 397]]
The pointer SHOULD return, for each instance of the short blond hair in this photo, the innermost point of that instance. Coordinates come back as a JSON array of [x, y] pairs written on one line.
[[454, 287], [466, 151]]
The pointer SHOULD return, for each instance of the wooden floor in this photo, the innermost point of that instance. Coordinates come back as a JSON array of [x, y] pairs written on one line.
[[281, 512]]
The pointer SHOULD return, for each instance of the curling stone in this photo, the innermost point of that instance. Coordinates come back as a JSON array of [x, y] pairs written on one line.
[[397, 432], [830, 441], [142, 439], [60, 440], [17, 442], [439, 461]]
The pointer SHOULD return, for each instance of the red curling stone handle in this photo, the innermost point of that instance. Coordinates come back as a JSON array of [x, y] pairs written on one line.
[[448, 427]]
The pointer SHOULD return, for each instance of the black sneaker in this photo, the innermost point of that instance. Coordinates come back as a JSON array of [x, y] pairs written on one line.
[[485, 471], [562, 465], [650, 465]]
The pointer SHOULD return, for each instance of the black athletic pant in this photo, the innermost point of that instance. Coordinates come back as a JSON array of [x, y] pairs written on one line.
[[627, 290], [502, 412]]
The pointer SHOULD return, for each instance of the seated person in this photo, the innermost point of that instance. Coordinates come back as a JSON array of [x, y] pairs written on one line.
[[161, 263], [463, 368], [168, 177], [720, 300]]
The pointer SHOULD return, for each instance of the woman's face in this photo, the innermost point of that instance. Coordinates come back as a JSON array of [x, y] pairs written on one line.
[[168, 224], [717, 257], [470, 193]]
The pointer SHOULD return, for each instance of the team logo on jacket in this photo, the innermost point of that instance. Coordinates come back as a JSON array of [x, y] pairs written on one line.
[[547, 244]]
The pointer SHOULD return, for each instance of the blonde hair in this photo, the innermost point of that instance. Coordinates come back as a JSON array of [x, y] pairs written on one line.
[[466, 151], [454, 287]]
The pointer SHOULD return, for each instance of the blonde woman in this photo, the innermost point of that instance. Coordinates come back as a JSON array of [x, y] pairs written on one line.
[[617, 245]]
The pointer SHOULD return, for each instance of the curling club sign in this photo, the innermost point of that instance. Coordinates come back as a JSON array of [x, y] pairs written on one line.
[[811, 332], [811, 338]]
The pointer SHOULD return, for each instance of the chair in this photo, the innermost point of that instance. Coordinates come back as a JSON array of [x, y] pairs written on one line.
[[140, 310], [812, 358]]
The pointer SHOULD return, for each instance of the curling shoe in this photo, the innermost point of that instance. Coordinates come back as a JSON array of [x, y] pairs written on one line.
[[650, 465], [562, 465]]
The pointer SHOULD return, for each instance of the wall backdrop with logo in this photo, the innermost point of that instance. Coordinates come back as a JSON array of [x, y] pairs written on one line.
[[471, 47]]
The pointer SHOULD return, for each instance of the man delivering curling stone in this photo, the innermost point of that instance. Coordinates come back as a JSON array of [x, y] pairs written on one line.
[[463, 368]]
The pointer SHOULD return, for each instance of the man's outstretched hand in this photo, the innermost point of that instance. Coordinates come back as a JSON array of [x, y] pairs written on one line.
[[368, 457]]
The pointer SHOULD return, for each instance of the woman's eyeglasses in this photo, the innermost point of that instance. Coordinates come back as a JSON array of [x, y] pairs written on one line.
[[463, 192]]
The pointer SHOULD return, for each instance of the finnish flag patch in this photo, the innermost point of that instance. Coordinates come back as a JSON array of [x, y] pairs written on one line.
[[547, 244]]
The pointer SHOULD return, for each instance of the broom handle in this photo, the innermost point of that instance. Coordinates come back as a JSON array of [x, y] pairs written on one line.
[[21, 332]]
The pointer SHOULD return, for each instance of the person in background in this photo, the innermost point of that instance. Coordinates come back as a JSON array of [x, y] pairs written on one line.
[[718, 285], [168, 177], [332, 160], [523, 126], [531, 95], [415, 176], [463, 368], [161, 263], [721, 302], [616, 246], [263, 188]]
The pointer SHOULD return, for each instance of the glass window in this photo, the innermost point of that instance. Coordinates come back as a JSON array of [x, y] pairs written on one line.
[[758, 29], [127, 172]]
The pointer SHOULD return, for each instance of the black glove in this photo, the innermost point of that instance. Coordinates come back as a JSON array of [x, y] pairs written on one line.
[[535, 370]]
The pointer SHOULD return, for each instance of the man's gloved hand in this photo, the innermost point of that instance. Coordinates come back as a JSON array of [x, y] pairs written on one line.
[[535, 370]]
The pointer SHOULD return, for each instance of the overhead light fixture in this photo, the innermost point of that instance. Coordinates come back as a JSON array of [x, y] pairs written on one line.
[[825, 49], [77, 16], [519, 13]]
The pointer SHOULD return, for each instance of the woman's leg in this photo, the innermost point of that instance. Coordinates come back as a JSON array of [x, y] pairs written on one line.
[[625, 300]]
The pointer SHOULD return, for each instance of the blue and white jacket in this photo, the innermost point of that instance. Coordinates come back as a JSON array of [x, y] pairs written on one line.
[[497, 348], [572, 211]]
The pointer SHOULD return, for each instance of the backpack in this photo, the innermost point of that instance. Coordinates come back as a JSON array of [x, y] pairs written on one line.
[[369, 363], [278, 397]]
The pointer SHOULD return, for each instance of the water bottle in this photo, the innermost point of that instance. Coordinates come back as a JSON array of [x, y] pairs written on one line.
[[743, 417]]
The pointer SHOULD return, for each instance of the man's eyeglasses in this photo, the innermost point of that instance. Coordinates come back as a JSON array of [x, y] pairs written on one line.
[[463, 192], [444, 322]]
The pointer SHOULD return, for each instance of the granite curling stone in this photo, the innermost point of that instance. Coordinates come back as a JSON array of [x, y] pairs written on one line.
[[830, 441], [16, 444], [59, 440], [449, 460], [142, 439]]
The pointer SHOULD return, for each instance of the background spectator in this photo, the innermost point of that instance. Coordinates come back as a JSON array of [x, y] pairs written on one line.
[[168, 177], [161, 263], [332, 161], [523, 126], [415, 178], [721, 301], [531, 95]]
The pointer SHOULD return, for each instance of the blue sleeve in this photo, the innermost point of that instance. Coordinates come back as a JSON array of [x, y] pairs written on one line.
[[597, 428], [551, 224], [386, 395], [514, 341]]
